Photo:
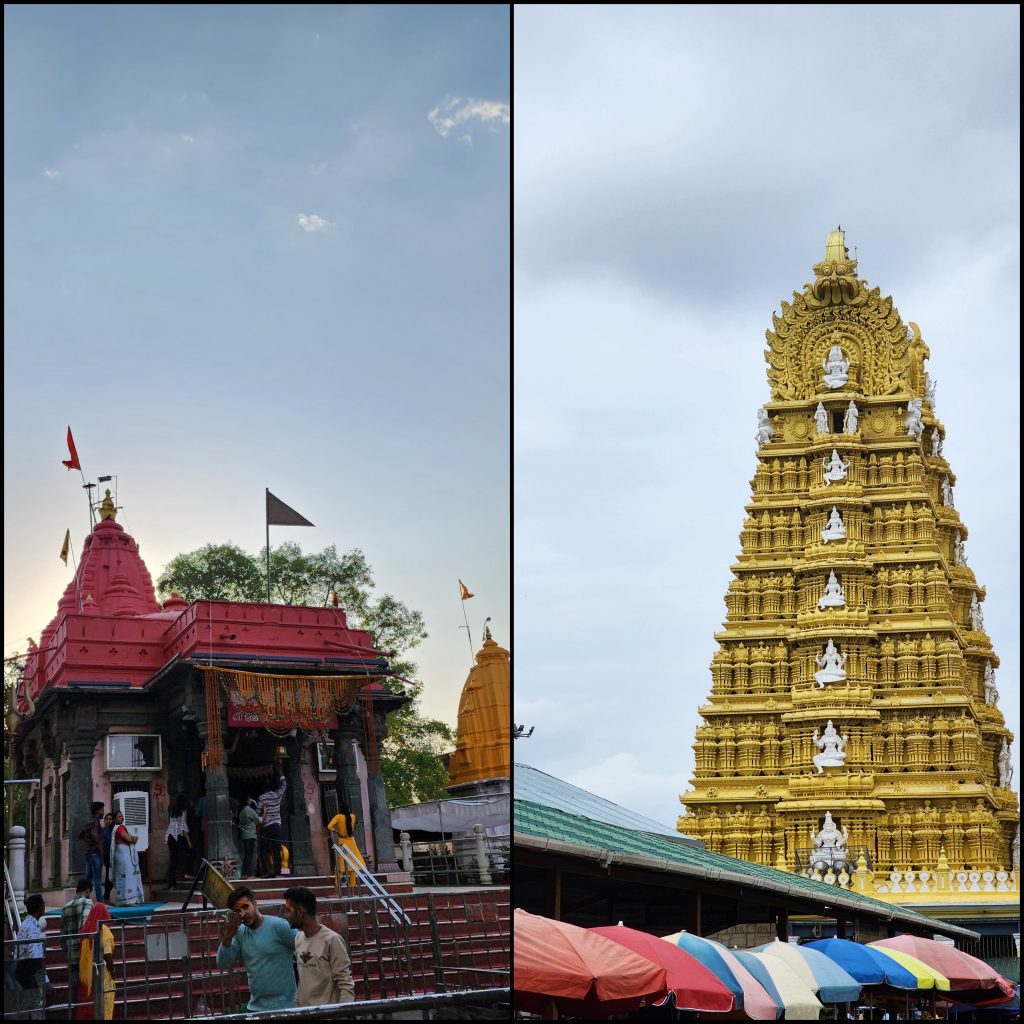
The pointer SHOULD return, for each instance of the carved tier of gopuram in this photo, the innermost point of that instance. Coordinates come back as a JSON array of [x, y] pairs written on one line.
[[853, 730]]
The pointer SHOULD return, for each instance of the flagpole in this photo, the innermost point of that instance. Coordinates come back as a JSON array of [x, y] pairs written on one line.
[[268, 544], [78, 582], [469, 635]]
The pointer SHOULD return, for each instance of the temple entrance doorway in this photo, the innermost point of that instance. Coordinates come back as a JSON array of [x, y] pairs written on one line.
[[251, 756]]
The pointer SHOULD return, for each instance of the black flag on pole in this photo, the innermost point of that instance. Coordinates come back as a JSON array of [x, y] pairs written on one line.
[[280, 514]]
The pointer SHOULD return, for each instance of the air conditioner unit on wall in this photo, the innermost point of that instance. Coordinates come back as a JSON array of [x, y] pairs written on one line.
[[134, 805]]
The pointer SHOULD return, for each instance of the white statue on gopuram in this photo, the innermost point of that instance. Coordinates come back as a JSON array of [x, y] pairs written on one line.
[[850, 419], [915, 425], [947, 492], [835, 468], [977, 616], [930, 384], [765, 431], [832, 747], [991, 693], [832, 665], [834, 596], [1005, 765], [1015, 851], [936, 442], [835, 529], [959, 555], [829, 846], [821, 420], [836, 368]]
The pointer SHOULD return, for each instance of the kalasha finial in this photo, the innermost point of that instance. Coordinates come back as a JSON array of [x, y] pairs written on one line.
[[107, 508], [487, 630]]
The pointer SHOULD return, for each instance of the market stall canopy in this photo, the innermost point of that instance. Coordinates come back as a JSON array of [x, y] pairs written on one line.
[[867, 965], [963, 970], [584, 974], [782, 984], [925, 976], [455, 815], [823, 976], [691, 985]]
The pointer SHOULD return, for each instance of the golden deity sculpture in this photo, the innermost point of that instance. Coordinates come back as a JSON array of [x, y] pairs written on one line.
[[853, 731]]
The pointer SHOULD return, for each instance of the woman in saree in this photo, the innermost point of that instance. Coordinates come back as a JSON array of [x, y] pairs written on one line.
[[341, 830], [86, 974], [127, 879]]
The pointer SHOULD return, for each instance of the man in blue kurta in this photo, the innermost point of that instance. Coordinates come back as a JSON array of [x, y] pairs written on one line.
[[266, 945]]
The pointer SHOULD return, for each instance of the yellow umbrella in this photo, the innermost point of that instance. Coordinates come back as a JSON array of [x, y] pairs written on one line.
[[927, 977]]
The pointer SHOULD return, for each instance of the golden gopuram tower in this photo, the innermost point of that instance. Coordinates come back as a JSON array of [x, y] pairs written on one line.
[[853, 731]]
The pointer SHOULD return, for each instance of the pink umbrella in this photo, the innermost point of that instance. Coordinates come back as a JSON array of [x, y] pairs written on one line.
[[691, 984], [963, 970]]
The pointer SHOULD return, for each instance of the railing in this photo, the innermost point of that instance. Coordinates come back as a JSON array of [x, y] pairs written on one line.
[[11, 909], [371, 883], [165, 966], [455, 861]]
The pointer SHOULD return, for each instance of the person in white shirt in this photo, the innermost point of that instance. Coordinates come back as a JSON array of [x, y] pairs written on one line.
[[322, 961], [29, 956]]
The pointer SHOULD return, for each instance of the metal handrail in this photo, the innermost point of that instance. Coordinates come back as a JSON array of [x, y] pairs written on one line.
[[10, 901], [398, 915]]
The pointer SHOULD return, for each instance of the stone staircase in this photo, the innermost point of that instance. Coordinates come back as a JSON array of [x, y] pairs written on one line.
[[468, 948]]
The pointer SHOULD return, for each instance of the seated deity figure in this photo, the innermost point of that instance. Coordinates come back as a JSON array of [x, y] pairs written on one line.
[[829, 845], [977, 616], [959, 556], [834, 528], [832, 666], [834, 596], [850, 419], [835, 468], [915, 425], [832, 747], [1005, 765], [936, 441], [991, 693], [836, 368], [821, 420], [765, 431], [947, 492]]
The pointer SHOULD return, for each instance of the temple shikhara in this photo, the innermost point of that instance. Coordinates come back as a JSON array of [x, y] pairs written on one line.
[[853, 730]]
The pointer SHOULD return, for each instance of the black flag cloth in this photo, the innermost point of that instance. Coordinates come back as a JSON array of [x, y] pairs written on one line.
[[280, 514]]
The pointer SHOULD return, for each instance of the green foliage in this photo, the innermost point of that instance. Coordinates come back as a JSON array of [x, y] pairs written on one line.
[[411, 756], [217, 572], [15, 797]]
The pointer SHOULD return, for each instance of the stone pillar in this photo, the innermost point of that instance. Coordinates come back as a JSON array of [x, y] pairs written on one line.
[[300, 849], [346, 776], [483, 862], [221, 846], [406, 844], [16, 864], [380, 813], [81, 795]]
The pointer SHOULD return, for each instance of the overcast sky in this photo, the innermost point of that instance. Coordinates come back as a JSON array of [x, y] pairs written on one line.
[[263, 246], [677, 171]]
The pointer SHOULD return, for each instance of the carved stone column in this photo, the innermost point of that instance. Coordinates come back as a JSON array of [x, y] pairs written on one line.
[[346, 776], [301, 848], [221, 844], [81, 786], [380, 813]]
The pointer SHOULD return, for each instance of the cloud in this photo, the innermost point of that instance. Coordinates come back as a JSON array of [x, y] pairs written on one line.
[[187, 138], [48, 173], [313, 222], [317, 169], [457, 112]]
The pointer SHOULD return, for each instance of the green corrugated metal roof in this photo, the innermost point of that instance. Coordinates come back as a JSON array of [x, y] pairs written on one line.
[[551, 823]]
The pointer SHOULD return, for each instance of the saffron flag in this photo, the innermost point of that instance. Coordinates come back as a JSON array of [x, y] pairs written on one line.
[[280, 514], [66, 548], [466, 595], [73, 462]]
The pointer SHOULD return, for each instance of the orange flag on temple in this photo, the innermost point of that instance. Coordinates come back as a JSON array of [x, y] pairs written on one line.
[[73, 462], [67, 547], [464, 590]]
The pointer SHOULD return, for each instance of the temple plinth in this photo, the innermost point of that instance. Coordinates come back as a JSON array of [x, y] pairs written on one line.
[[853, 685]]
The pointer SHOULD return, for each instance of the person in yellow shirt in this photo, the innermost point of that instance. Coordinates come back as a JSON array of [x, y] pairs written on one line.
[[341, 830]]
